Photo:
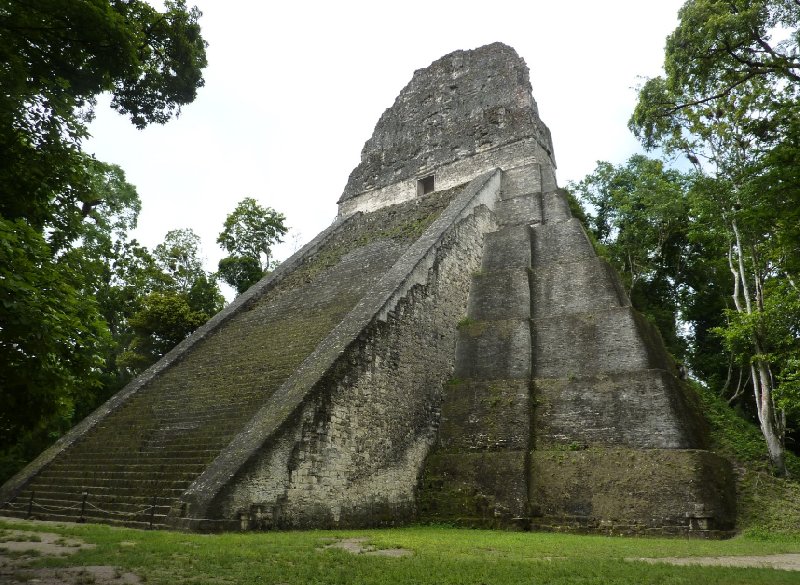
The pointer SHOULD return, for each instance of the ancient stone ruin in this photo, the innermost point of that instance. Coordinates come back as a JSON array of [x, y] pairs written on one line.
[[450, 349]]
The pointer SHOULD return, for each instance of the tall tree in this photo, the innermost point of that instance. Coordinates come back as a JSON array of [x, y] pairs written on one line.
[[638, 213], [730, 103], [63, 215], [58, 56], [249, 234], [182, 296]]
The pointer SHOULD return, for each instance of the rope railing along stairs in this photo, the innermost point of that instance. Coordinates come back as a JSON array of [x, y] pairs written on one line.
[[89, 510]]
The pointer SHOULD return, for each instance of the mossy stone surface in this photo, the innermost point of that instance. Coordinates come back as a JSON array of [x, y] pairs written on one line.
[[604, 489]]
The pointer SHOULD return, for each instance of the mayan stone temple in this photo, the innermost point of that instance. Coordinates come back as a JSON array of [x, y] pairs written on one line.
[[450, 349]]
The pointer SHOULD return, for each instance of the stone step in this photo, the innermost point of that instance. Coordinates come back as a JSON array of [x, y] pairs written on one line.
[[139, 469], [507, 249], [155, 456], [521, 181], [522, 210], [128, 493], [599, 342], [485, 415], [486, 489], [141, 522], [158, 444], [560, 242], [646, 409], [69, 503], [171, 427], [575, 287], [555, 207], [79, 483], [494, 350], [49, 474], [499, 295]]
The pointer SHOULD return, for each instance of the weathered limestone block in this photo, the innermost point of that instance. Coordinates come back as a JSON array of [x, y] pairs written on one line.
[[464, 104], [554, 205], [494, 350], [508, 248], [525, 209], [485, 415], [583, 286], [549, 178], [519, 181], [499, 295], [585, 344], [645, 409], [560, 242], [622, 491], [476, 489]]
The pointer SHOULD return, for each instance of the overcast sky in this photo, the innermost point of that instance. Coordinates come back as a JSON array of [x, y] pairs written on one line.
[[294, 89]]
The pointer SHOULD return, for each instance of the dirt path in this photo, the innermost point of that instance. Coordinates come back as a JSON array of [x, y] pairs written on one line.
[[785, 562]]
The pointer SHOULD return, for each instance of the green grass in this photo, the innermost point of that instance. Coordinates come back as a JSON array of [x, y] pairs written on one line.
[[442, 555]]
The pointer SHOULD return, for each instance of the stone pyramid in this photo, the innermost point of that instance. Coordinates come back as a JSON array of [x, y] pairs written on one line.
[[449, 349]]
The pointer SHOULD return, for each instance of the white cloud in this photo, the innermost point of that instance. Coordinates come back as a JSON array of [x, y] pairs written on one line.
[[293, 90]]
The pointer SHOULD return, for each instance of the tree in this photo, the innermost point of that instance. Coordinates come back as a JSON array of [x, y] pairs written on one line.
[[64, 216], [240, 272], [164, 320], [178, 256], [58, 56], [638, 213], [180, 297], [51, 334], [729, 102], [249, 233]]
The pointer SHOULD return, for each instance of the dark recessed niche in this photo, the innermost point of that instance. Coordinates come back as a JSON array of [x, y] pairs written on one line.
[[425, 185]]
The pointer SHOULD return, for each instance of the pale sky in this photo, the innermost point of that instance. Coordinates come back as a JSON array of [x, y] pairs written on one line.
[[294, 89]]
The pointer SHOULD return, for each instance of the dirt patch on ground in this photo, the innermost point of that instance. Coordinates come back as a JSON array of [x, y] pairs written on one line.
[[19, 547], [39, 543], [359, 546], [785, 562], [70, 576]]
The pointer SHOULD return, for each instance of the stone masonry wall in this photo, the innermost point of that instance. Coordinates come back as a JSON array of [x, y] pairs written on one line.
[[360, 445], [527, 152], [462, 105], [287, 462], [153, 444]]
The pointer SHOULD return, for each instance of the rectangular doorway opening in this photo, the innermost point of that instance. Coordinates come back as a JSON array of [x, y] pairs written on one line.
[[425, 185]]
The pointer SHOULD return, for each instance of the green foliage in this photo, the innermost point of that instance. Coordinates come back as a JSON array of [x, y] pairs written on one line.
[[51, 336], [241, 272], [58, 56], [777, 325], [178, 256], [638, 215], [439, 555], [249, 234], [177, 298], [70, 280], [730, 102], [164, 320]]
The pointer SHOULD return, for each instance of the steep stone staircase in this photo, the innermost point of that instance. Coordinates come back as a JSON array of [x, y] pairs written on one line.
[[133, 465]]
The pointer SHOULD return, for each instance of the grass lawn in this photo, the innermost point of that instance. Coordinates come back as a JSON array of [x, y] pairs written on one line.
[[441, 555]]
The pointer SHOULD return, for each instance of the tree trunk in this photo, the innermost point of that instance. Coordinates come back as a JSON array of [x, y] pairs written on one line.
[[759, 369]]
